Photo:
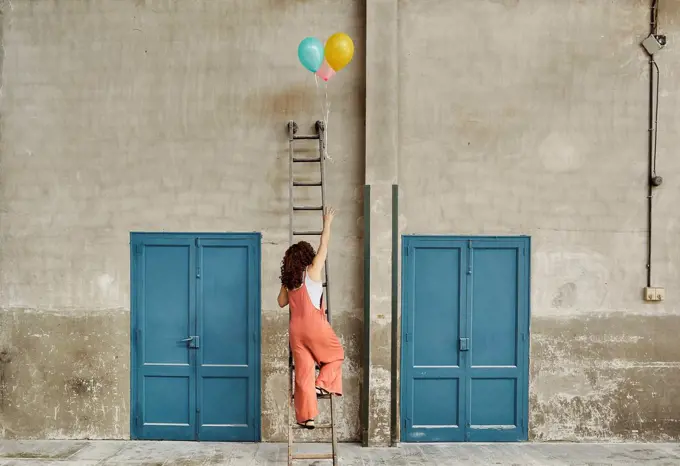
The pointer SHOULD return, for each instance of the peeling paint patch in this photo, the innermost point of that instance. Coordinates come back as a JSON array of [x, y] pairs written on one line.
[[611, 378], [71, 382], [380, 405]]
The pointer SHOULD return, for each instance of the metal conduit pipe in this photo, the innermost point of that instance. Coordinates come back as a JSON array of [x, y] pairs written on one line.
[[652, 44]]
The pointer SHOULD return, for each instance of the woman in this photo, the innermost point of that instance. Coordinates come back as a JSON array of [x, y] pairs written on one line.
[[312, 339]]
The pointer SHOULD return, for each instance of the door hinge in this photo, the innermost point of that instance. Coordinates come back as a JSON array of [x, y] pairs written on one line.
[[198, 258], [407, 338], [138, 249], [524, 336], [137, 419]]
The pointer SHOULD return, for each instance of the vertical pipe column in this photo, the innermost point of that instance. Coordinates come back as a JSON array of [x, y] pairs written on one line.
[[382, 126], [651, 143], [366, 346], [394, 401]]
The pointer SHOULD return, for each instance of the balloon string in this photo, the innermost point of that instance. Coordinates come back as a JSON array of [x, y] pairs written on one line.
[[318, 94], [326, 115], [325, 112]]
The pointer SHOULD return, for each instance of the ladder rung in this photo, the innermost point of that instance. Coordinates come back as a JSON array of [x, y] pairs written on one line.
[[318, 397], [305, 207], [314, 456], [306, 233], [306, 136], [320, 426], [299, 160], [306, 183], [316, 367]]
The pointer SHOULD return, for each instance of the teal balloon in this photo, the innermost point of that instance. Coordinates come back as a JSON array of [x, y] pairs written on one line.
[[310, 53]]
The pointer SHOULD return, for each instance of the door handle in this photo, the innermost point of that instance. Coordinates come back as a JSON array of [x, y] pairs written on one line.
[[464, 344], [193, 341]]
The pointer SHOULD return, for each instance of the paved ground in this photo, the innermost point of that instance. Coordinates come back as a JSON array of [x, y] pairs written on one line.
[[60, 453]]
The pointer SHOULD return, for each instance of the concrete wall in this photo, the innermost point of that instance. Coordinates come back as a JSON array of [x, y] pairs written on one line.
[[530, 117], [162, 115], [494, 116]]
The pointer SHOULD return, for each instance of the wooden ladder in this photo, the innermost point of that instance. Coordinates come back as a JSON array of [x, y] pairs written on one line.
[[292, 234]]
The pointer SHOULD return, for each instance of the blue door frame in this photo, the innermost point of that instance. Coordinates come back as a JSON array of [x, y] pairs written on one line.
[[195, 336], [465, 338]]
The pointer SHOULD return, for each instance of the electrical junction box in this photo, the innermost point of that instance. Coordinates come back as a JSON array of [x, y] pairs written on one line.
[[654, 294], [654, 43]]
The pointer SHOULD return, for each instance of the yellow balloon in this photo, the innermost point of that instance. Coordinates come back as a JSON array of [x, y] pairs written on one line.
[[339, 50]]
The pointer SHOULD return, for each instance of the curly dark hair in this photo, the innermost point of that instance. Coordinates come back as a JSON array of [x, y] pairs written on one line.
[[296, 259]]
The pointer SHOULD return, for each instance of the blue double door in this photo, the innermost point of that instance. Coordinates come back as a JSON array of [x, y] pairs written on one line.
[[465, 351], [195, 337]]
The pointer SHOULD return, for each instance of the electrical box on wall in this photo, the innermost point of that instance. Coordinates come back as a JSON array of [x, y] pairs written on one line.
[[654, 294], [653, 43]]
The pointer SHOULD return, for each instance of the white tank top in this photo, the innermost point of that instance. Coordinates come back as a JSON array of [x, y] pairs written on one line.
[[315, 290]]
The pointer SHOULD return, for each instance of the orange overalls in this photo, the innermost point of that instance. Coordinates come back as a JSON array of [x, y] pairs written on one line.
[[312, 339]]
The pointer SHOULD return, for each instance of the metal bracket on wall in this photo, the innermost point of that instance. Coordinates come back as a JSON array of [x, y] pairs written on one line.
[[464, 344]]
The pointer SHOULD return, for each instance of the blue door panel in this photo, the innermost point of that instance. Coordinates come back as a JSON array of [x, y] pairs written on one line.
[[492, 401], [167, 303], [165, 404], [431, 374], [167, 409], [224, 307], [494, 413], [494, 307], [496, 351], [195, 337], [435, 319], [464, 339], [227, 357]]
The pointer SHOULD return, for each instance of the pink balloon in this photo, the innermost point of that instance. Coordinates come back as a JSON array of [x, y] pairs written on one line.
[[325, 71]]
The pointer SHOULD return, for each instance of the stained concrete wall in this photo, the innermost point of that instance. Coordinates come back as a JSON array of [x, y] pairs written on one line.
[[163, 115], [513, 117], [530, 117]]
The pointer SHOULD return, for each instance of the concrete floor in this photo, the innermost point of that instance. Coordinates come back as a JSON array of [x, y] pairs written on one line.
[[58, 452]]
